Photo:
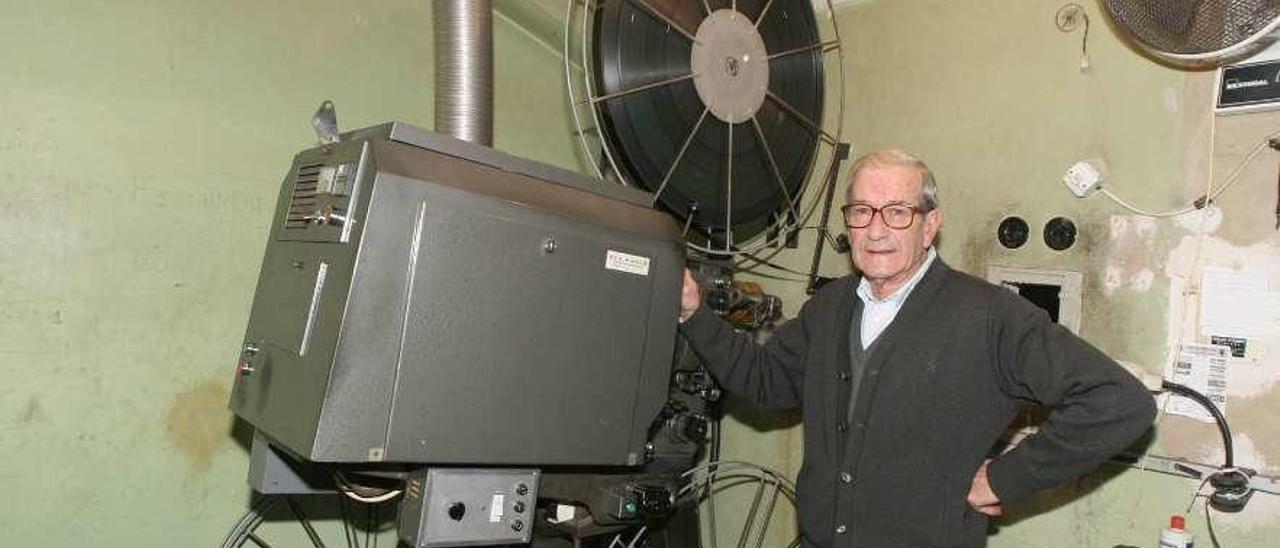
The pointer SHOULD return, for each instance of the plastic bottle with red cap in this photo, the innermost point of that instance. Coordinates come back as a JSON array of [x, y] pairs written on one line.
[[1176, 535]]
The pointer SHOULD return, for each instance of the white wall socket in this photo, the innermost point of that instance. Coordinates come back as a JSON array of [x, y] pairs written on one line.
[[1083, 177]]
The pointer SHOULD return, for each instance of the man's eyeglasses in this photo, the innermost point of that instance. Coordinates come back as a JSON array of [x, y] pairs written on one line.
[[895, 216]]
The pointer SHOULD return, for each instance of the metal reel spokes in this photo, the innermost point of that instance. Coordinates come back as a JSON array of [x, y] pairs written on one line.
[[720, 108], [741, 505]]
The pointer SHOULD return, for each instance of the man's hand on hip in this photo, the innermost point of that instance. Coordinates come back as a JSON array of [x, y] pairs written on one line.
[[981, 497]]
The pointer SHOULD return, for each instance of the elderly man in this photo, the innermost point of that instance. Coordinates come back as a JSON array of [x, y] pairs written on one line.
[[907, 375]]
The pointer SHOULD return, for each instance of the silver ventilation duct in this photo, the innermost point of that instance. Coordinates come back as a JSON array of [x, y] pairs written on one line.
[[464, 69]]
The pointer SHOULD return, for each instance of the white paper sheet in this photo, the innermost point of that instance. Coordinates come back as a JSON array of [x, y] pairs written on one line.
[[1203, 368], [1237, 303]]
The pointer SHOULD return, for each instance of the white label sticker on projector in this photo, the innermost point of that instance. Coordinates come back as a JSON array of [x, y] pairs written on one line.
[[495, 509], [624, 262]]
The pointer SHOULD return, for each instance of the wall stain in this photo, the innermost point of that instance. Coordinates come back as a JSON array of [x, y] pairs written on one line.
[[1185, 438], [1110, 319], [982, 242], [1258, 410], [198, 423], [976, 254], [30, 413]]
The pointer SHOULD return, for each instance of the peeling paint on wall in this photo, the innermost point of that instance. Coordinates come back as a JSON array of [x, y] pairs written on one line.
[[1253, 382], [1132, 255]]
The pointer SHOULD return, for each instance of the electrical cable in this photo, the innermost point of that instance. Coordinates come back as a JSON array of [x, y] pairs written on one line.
[[771, 264], [1175, 351], [377, 522], [350, 489], [1199, 492], [1084, 44], [755, 255], [1206, 198], [1160, 215], [1213, 537], [774, 277], [347, 533], [1209, 406], [368, 524]]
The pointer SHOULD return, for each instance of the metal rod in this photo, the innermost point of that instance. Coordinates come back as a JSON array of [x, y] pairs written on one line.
[[764, 11], [804, 120], [768, 513], [306, 523], [683, 147], [588, 76], [728, 198], [838, 154], [711, 510], [773, 167], [706, 7], [824, 45], [749, 524], [665, 19], [258, 540], [638, 89], [573, 101]]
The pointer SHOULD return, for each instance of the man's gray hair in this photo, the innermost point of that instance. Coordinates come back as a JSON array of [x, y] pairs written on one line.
[[895, 157]]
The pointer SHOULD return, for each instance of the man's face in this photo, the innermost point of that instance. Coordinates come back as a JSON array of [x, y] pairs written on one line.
[[888, 257]]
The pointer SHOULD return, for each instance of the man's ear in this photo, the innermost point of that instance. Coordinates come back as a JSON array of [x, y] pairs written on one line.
[[932, 222]]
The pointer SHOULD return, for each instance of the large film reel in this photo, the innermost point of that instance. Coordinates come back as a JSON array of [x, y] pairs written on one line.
[[719, 108]]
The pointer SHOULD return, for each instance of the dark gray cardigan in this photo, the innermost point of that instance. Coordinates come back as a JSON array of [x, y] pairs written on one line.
[[943, 381]]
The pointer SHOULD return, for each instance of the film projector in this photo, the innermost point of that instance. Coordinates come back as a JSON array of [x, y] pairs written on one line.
[[488, 345]]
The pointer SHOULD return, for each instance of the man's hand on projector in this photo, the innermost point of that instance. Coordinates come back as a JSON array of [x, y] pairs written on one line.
[[690, 296]]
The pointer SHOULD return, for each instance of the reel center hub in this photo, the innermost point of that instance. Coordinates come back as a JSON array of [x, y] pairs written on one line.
[[731, 66]]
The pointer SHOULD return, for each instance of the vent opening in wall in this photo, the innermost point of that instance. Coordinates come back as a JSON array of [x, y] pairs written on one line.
[[1055, 291], [1045, 296]]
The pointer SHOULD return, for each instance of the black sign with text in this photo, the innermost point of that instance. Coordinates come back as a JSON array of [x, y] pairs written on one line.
[[1251, 84]]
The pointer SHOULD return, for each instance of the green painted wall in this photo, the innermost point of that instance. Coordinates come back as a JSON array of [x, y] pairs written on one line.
[[141, 145], [990, 93]]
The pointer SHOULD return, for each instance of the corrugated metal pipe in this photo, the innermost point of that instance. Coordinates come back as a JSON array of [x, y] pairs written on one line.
[[464, 69]]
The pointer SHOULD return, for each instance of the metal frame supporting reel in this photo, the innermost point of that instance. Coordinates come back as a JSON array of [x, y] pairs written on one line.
[[767, 488]]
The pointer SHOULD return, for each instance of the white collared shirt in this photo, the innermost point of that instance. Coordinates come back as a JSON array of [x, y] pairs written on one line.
[[877, 314]]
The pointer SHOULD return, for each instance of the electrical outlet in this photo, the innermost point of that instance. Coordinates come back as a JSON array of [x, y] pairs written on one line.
[[1082, 178]]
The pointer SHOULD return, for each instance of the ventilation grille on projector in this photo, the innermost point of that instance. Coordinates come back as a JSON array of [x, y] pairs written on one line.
[[1194, 29], [303, 202]]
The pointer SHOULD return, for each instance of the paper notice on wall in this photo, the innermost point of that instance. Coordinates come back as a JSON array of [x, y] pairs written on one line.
[[1237, 303], [1203, 368]]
